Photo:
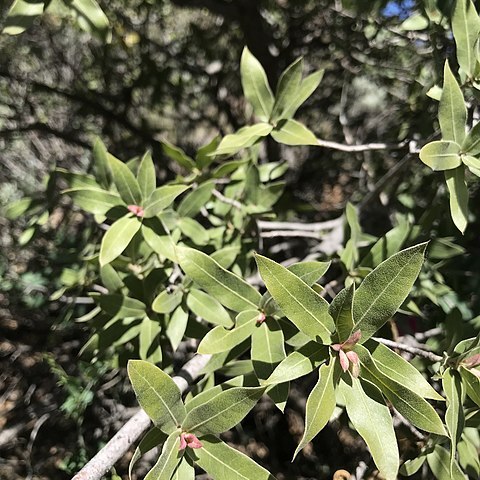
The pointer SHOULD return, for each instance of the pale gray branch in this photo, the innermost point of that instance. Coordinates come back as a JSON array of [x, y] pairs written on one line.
[[407, 348], [360, 148]]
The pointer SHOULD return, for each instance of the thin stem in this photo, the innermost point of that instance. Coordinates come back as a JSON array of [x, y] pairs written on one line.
[[407, 348]]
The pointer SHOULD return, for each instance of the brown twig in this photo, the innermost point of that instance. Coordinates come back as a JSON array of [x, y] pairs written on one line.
[[106, 458]]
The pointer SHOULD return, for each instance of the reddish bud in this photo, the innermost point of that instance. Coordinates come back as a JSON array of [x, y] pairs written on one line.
[[189, 440], [343, 360], [136, 210], [472, 361], [261, 318]]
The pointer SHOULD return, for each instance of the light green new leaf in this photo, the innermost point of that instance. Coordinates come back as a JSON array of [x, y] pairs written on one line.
[[255, 85], [299, 302], [98, 202], [208, 308], [229, 289], [168, 460], [177, 154], [413, 407], [220, 339], [21, 15], [299, 363], [117, 238], [401, 371], [291, 132], [162, 198], [150, 440], [384, 289], [100, 163], [243, 138], [472, 385], [184, 471], [441, 155], [157, 394], [372, 420], [223, 411], [222, 462], [307, 87], [148, 344], [166, 301], [125, 181], [455, 415], [452, 113], [176, 326], [193, 202], [457, 188], [439, 463], [287, 88], [466, 27], [146, 176], [471, 144], [320, 403], [341, 311]]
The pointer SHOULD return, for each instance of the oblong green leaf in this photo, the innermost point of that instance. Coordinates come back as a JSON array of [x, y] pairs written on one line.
[[117, 238], [452, 113], [413, 407], [184, 471], [176, 326], [150, 440], [21, 15], [299, 363], [220, 339], [439, 463], [341, 311], [157, 394], [372, 420], [441, 155], [167, 301], [223, 462], [91, 18], [125, 181], [320, 403], [223, 411], [307, 87], [193, 230], [457, 188], [243, 138], [168, 460], [100, 163], [471, 144], [229, 289], [255, 85], [384, 289], [177, 154], [472, 385], [192, 203], [300, 303], [148, 342], [208, 308], [161, 198], [98, 202], [291, 132], [403, 372], [146, 177], [120, 305]]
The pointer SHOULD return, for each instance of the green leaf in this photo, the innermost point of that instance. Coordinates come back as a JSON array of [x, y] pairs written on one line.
[[452, 113], [255, 85], [100, 163], [229, 289], [203, 157], [150, 440], [466, 27], [454, 416], [125, 181], [471, 144], [176, 326], [177, 154], [226, 256], [385, 288], [223, 411], [457, 188], [117, 238], [21, 15], [184, 471], [472, 163], [158, 239], [401, 371], [413, 407], [307, 87], [148, 342], [441, 155], [161, 198], [371, 418], [299, 363], [223, 462], [341, 311], [110, 278], [194, 231], [192, 203], [147, 179], [226, 168], [98, 202], [208, 308], [412, 466], [119, 305], [18, 208], [287, 88], [300, 303], [243, 138], [167, 301], [91, 18], [220, 339], [291, 132], [157, 394], [472, 385], [168, 460], [439, 463], [320, 403]]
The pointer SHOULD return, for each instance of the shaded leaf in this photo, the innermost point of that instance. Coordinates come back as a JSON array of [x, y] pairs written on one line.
[[168, 460], [150, 440], [439, 463]]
